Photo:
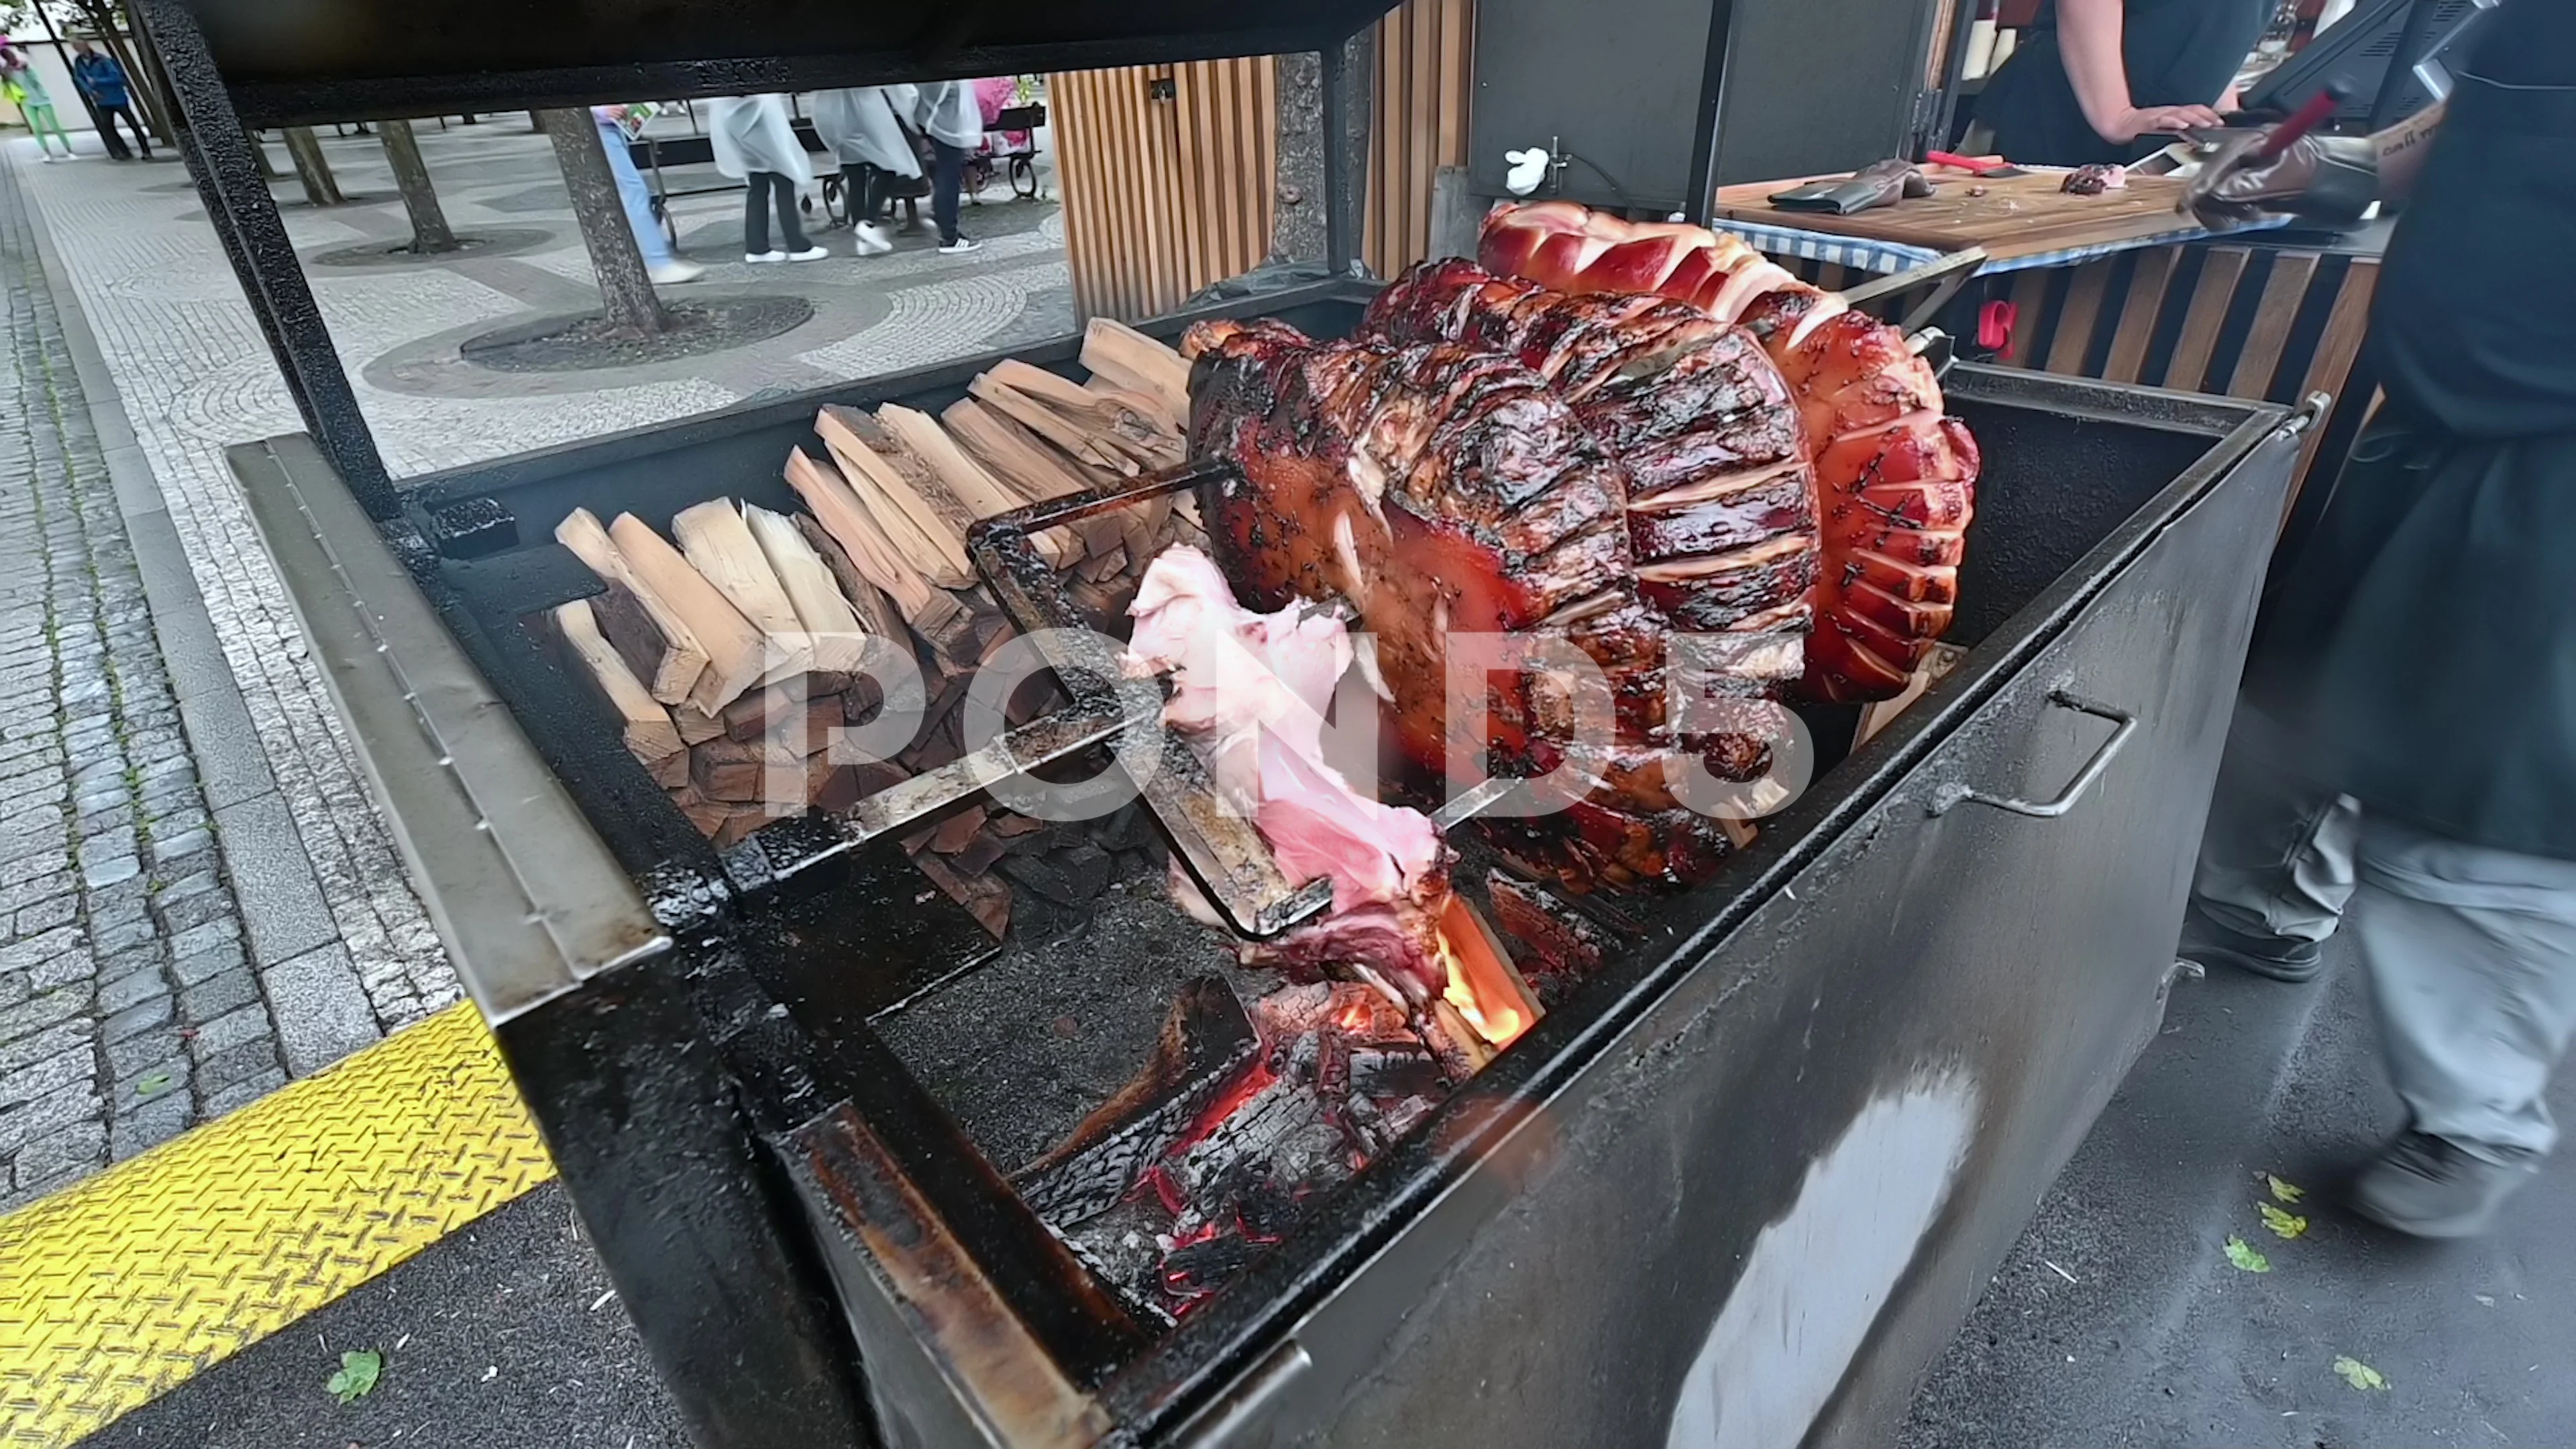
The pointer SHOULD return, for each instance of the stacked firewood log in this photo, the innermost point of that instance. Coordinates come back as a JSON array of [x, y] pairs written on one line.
[[731, 648]]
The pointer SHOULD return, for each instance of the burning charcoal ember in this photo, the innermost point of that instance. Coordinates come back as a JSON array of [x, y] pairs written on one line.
[[1560, 949], [1202, 1267], [1207, 1042], [1324, 1077]]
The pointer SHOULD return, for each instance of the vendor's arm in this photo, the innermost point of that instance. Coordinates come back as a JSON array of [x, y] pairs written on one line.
[[2088, 42], [2331, 179], [2402, 149]]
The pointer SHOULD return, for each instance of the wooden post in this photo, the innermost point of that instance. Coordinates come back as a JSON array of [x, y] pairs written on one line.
[[429, 231], [311, 168], [625, 289]]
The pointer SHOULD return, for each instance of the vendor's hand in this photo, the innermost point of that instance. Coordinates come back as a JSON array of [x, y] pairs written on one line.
[[2158, 121], [2330, 178]]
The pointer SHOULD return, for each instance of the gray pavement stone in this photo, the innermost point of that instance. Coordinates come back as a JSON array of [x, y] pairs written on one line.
[[219, 994], [132, 989], [273, 880], [142, 1016], [232, 1029], [148, 1126], [321, 1008], [74, 1145], [74, 1102], [236, 1064]]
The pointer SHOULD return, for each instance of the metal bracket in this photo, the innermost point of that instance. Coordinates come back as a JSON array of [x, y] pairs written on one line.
[[1954, 794]]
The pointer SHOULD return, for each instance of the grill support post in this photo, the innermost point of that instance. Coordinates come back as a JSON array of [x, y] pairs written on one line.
[[244, 214]]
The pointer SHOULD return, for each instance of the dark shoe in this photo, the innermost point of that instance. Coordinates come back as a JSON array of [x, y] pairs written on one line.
[[2430, 1187], [2211, 944]]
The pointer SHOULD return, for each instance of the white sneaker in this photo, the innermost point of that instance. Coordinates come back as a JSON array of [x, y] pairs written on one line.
[[768, 256], [673, 272], [810, 254], [959, 247], [871, 239]]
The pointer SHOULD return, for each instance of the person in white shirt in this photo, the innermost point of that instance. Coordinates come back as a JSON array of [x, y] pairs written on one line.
[[946, 112], [859, 126], [754, 140]]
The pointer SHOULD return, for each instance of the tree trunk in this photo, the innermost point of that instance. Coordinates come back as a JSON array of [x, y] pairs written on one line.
[[311, 168], [429, 231], [625, 291], [1297, 221]]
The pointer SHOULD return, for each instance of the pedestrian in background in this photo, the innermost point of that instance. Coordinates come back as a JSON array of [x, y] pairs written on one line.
[[102, 83], [23, 88], [754, 141], [2414, 678], [858, 125], [664, 268], [946, 112]]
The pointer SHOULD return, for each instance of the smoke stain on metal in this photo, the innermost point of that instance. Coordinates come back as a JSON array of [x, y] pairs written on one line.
[[117, 1289]]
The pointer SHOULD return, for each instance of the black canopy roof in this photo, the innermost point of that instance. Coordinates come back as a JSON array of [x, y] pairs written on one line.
[[308, 61]]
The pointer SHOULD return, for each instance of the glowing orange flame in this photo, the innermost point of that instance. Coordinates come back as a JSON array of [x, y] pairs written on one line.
[[1483, 989]]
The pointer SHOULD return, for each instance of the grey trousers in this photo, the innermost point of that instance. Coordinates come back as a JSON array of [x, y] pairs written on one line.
[[2471, 951]]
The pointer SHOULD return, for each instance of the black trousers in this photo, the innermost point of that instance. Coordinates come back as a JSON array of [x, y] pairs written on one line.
[[760, 190], [859, 187], [946, 176], [108, 116]]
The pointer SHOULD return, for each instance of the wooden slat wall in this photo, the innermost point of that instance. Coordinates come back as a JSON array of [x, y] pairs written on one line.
[[1163, 197], [1425, 69]]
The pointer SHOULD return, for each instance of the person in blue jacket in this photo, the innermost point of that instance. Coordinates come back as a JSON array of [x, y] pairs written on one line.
[[102, 82]]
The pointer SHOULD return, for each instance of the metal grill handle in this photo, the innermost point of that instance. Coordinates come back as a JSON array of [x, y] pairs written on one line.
[[1955, 793]]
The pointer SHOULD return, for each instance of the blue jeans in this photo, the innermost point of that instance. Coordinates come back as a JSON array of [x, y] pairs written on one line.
[[635, 194]]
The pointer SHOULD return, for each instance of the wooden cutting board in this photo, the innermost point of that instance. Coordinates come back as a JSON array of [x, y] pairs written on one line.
[[2017, 217]]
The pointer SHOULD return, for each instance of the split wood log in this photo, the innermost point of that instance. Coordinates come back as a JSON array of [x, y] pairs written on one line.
[[1029, 466], [670, 668], [695, 725], [650, 736], [739, 772], [1083, 444], [718, 544], [736, 652], [863, 542], [830, 620], [928, 524], [877, 613], [1127, 428], [985, 495], [1132, 360]]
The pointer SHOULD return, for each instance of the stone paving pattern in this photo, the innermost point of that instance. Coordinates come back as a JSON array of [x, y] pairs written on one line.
[[128, 1006], [169, 898]]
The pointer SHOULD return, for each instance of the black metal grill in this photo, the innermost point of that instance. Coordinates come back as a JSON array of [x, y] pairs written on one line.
[[787, 1087]]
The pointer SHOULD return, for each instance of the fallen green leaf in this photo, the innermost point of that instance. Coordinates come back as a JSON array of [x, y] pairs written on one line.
[[2284, 1191], [359, 1369], [2283, 1225], [2242, 1254], [152, 1084], [2360, 1375]]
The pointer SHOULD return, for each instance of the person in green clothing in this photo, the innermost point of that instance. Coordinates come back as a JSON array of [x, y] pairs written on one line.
[[2104, 81], [23, 88]]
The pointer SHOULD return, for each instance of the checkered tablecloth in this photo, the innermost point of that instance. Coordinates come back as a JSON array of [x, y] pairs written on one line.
[[1881, 256]]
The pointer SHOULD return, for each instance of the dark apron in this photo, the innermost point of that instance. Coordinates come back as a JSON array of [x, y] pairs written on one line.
[[2178, 53], [2424, 640]]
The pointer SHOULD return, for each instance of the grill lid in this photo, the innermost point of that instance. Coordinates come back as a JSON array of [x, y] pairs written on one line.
[[324, 60]]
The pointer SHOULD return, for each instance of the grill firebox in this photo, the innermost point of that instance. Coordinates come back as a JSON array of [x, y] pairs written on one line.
[[1577, 1212]]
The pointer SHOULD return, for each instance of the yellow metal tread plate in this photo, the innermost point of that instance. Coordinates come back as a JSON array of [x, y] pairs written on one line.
[[116, 1289]]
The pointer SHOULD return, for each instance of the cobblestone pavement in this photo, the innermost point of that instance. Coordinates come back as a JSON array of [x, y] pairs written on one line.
[[129, 1008], [142, 983]]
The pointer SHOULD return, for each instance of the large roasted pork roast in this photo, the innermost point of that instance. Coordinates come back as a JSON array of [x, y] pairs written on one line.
[[1446, 490]]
